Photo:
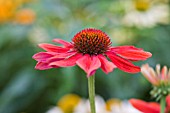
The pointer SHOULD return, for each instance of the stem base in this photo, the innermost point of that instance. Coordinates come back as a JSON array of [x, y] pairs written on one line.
[[91, 87]]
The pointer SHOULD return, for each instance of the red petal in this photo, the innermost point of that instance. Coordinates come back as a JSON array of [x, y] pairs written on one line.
[[124, 48], [42, 66], [61, 56], [42, 56], [53, 48], [144, 106], [154, 105], [89, 64], [106, 65], [71, 61], [131, 53], [95, 64], [168, 101], [84, 62], [123, 64], [65, 43]]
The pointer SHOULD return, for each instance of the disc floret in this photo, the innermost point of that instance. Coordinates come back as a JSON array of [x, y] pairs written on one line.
[[91, 41]]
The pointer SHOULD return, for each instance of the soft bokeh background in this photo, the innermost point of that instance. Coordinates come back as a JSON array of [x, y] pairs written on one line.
[[25, 23]]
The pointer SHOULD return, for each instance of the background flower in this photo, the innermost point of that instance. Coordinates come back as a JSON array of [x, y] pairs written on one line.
[[157, 77], [25, 90], [10, 11], [25, 16], [124, 107], [55, 110], [146, 13], [83, 106], [150, 107]]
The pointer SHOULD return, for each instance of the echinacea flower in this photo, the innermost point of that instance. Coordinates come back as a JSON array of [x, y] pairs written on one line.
[[146, 13], [149, 107], [157, 77], [160, 79], [90, 49]]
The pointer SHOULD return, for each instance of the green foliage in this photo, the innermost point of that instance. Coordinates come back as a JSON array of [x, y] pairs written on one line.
[[23, 89]]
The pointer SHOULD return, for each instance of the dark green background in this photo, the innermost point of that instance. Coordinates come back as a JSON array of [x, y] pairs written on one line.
[[24, 89]]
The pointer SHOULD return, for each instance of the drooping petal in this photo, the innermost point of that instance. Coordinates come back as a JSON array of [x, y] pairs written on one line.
[[43, 56], [89, 64], [65, 43], [95, 64], [42, 66], [123, 64], [131, 53], [106, 65], [84, 62], [53, 48], [144, 106], [71, 61]]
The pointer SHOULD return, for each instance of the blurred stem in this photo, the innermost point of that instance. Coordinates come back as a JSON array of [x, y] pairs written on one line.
[[163, 104], [169, 6], [91, 86]]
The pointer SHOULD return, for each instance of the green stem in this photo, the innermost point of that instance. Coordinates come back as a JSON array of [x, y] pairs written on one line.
[[91, 86], [163, 104]]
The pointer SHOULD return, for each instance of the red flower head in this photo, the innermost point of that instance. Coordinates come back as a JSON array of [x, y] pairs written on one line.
[[90, 49], [150, 107]]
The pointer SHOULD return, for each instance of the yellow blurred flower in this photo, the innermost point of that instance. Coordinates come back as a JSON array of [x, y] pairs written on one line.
[[112, 102], [25, 16], [68, 102], [142, 5], [8, 9]]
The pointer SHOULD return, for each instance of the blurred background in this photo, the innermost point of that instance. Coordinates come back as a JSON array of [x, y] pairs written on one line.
[[25, 23]]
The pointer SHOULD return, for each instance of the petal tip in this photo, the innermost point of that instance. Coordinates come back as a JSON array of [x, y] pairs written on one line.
[[34, 56], [55, 40], [41, 45], [149, 54]]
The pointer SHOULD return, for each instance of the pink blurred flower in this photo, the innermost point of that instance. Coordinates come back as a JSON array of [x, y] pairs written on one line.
[[157, 77], [149, 107], [90, 49]]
